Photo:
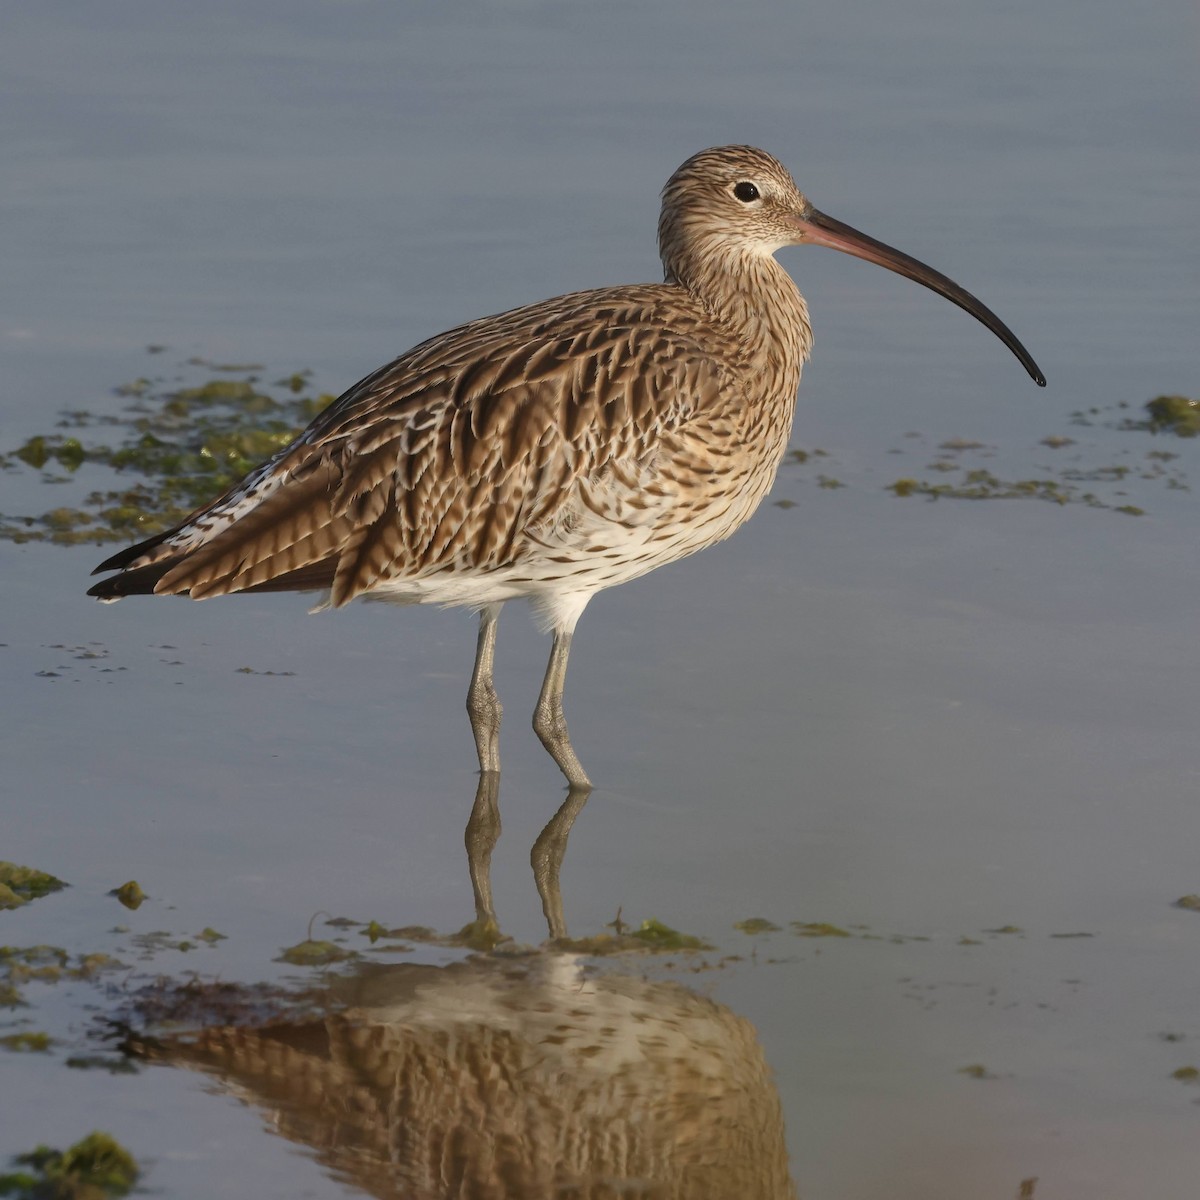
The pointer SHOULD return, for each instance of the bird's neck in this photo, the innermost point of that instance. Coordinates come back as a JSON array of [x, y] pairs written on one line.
[[754, 298]]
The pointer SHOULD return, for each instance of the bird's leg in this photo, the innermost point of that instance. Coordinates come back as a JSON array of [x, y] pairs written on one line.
[[483, 704], [549, 723]]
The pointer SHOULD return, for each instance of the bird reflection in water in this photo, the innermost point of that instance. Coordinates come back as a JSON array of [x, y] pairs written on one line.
[[513, 1076]]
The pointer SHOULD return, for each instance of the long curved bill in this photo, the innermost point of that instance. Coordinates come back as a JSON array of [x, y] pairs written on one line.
[[819, 230]]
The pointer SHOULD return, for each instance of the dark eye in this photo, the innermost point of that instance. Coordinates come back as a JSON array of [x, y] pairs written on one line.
[[745, 191]]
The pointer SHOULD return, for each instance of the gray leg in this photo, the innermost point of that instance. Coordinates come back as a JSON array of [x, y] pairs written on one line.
[[483, 705], [548, 721]]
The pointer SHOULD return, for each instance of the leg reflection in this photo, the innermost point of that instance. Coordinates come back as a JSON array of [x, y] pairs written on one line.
[[480, 837], [547, 855]]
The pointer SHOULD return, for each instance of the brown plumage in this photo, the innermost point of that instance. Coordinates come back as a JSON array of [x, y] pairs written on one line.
[[551, 451]]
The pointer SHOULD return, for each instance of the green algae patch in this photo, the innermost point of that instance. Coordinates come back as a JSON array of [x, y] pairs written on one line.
[[658, 936], [1170, 414], [650, 937], [174, 446], [482, 935], [755, 926], [33, 964], [10, 996], [95, 1167], [1179, 415], [130, 894], [976, 1071], [374, 931], [20, 965], [154, 941], [38, 452], [314, 953], [978, 483], [114, 1065], [1190, 902], [211, 936], [406, 933], [90, 965], [819, 929], [26, 883], [611, 945], [1068, 480], [1187, 1075], [27, 1043], [220, 391], [802, 456]]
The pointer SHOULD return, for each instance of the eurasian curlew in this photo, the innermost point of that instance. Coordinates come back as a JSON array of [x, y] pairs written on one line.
[[550, 451]]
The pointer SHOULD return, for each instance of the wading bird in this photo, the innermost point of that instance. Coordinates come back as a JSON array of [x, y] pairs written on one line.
[[551, 451]]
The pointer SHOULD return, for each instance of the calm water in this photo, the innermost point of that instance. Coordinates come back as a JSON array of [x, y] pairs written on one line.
[[900, 717]]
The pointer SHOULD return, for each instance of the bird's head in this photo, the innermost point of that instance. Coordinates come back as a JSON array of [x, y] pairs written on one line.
[[730, 204]]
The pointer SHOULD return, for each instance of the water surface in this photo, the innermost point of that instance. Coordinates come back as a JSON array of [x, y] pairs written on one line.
[[918, 721]]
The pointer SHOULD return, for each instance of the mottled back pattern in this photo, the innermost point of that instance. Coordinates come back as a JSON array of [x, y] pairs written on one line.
[[557, 448]]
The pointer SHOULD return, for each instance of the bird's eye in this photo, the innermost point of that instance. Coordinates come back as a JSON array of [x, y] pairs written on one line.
[[745, 191]]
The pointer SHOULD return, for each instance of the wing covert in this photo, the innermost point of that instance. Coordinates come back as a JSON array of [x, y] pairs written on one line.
[[454, 456]]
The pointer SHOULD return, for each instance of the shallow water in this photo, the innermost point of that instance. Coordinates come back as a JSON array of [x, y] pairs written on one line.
[[914, 720]]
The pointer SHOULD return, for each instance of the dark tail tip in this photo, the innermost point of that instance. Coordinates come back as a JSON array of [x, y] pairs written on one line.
[[138, 582]]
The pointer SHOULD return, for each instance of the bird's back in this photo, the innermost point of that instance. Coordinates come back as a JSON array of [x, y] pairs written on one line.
[[565, 445]]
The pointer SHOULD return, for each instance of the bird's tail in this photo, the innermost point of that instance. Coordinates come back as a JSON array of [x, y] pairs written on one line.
[[138, 582]]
